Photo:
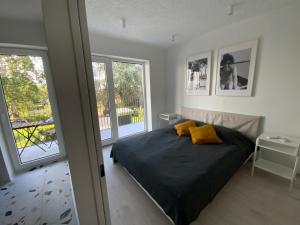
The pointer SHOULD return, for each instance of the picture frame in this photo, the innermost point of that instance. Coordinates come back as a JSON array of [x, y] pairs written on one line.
[[198, 74], [235, 69]]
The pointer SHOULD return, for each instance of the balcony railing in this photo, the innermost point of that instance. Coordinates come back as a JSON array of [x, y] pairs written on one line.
[[130, 111]]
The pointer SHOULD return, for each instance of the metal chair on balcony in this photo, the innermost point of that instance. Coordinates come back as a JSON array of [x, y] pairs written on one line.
[[50, 135]]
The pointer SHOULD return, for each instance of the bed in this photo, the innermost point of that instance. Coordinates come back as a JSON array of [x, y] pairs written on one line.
[[180, 177]]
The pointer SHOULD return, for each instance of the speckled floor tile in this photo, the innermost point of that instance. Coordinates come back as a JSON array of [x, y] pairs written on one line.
[[39, 197]]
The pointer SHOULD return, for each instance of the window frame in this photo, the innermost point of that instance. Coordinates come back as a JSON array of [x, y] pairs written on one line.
[[108, 60]]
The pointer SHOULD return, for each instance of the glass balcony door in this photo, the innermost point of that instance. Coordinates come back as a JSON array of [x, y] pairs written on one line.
[[28, 117], [119, 89], [129, 97]]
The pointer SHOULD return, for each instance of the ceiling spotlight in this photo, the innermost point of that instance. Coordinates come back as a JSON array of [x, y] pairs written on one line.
[[230, 10], [124, 24]]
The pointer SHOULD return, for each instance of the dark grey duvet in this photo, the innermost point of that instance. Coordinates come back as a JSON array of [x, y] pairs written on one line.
[[182, 178]]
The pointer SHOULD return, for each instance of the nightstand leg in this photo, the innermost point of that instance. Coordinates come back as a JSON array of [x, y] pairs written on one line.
[[291, 185], [294, 174], [253, 161]]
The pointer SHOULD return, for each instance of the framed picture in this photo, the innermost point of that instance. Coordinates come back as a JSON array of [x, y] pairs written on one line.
[[235, 69], [198, 74]]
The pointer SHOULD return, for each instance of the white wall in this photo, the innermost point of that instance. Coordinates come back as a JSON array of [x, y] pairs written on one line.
[[4, 170], [29, 33], [157, 57], [277, 77], [6, 167]]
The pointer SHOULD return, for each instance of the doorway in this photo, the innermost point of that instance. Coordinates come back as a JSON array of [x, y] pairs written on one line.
[[120, 97], [29, 117]]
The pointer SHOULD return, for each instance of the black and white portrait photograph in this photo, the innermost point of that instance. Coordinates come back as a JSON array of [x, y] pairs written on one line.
[[198, 74], [236, 70]]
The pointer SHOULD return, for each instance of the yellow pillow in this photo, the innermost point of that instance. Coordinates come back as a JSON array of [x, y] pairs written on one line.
[[204, 135], [183, 128]]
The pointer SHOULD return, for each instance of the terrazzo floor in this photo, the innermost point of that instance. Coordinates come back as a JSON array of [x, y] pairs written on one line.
[[42, 196]]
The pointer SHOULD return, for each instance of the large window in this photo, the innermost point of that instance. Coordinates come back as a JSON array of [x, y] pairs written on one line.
[[119, 87]]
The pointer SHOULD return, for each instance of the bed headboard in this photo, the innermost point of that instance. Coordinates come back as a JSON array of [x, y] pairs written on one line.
[[246, 124]]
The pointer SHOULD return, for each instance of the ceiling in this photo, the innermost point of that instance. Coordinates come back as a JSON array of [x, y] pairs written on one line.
[[152, 21], [155, 21]]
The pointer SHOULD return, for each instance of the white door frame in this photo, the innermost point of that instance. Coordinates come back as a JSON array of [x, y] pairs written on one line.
[[71, 66], [6, 126]]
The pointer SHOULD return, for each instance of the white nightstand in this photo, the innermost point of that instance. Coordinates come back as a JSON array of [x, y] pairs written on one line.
[[169, 117], [278, 144]]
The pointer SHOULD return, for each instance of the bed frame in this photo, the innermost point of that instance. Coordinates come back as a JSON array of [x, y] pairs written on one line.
[[249, 125], [246, 124]]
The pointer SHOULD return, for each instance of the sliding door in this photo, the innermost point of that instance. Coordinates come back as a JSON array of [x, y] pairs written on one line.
[[28, 115], [119, 88]]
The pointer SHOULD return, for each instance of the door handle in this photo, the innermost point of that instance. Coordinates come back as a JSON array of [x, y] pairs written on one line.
[[102, 171]]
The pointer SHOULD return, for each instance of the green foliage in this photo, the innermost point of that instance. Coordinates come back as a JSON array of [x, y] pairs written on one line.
[[128, 83], [24, 88], [128, 87], [26, 94], [101, 88], [138, 115]]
